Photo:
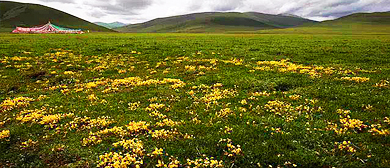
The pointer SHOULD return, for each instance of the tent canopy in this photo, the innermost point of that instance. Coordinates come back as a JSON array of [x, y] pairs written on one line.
[[47, 28]]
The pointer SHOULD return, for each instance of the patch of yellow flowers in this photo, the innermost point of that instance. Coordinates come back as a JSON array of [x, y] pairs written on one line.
[[356, 79], [383, 84], [10, 104], [345, 146], [4, 134], [231, 150]]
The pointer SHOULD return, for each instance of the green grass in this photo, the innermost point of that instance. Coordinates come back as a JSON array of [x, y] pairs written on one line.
[[265, 137]]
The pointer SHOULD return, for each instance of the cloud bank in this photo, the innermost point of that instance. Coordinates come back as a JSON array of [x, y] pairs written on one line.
[[136, 11]]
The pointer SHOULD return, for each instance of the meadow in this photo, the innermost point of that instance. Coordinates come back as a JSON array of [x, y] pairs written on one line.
[[194, 100]]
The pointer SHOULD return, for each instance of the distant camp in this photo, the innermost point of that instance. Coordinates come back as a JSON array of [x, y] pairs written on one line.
[[48, 28]]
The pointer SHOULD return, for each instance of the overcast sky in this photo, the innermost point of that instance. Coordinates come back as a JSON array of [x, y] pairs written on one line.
[[136, 11]]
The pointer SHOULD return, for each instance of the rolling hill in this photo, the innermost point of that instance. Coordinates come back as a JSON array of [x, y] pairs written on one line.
[[14, 14], [357, 23], [216, 22], [380, 18], [110, 25]]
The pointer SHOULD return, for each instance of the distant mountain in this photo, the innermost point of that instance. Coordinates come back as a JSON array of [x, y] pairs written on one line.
[[110, 25], [381, 18], [14, 14], [357, 23], [216, 22]]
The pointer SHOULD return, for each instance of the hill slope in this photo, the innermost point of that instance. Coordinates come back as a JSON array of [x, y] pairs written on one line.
[[216, 22], [14, 14], [110, 25], [380, 18], [358, 23]]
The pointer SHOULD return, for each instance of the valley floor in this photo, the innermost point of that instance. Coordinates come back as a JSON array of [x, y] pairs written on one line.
[[206, 100]]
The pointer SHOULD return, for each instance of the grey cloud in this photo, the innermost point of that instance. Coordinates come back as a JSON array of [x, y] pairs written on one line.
[[335, 8], [120, 7], [97, 14], [61, 1], [226, 5], [144, 10]]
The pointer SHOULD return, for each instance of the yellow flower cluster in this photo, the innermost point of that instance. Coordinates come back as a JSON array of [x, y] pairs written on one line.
[[52, 119], [154, 107], [235, 61], [131, 128], [286, 66], [223, 113], [95, 138], [134, 106], [190, 68], [278, 107], [91, 140], [294, 97], [82, 123], [168, 122], [352, 123], [345, 146], [346, 123], [121, 71], [69, 73], [274, 130], [216, 94], [265, 93], [119, 160], [157, 152], [137, 127], [10, 104], [40, 116], [383, 84], [4, 134], [356, 79], [231, 149], [30, 115], [27, 144], [163, 134], [113, 84], [133, 145], [289, 112], [92, 97], [387, 120], [58, 147], [199, 69], [227, 130], [376, 129], [206, 162]]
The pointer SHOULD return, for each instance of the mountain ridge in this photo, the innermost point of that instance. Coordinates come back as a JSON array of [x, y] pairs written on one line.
[[216, 21]]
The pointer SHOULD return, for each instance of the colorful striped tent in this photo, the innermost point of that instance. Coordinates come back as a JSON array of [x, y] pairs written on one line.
[[47, 28]]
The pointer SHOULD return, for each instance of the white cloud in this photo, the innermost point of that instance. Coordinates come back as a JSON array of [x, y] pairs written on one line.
[[135, 11]]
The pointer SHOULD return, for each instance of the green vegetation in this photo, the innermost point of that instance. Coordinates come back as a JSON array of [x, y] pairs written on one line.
[[216, 22], [359, 23], [244, 99], [13, 14]]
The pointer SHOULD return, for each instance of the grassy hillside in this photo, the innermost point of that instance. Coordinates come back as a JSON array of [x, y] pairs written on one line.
[[359, 23], [216, 22], [14, 14], [378, 18], [110, 25]]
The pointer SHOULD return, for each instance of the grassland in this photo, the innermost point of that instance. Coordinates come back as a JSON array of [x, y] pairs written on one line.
[[231, 100]]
